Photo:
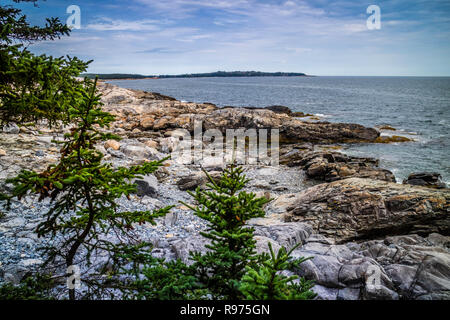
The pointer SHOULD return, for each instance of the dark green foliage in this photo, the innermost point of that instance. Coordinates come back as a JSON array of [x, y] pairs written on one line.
[[31, 288], [34, 87], [227, 208], [151, 278], [265, 282], [14, 26], [84, 190], [231, 269]]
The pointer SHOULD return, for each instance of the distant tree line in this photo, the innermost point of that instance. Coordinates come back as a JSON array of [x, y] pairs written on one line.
[[119, 76]]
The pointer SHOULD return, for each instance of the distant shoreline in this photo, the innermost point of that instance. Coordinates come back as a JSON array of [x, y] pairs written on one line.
[[156, 78], [218, 74]]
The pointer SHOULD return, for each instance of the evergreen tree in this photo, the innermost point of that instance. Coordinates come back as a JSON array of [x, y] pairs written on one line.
[[150, 278], [266, 282], [231, 269], [83, 189], [34, 87], [227, 208], [36, 287]]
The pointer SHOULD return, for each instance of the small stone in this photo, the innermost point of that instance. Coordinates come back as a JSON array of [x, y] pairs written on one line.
[[151, 144], [191, 182], [2, 153], [189, 228], [30, 262], [170, 219], [113, 144], [169, 235], [426, 179], [39, 153], [11, 128], [146, 200], [147, 122], [139, 152], [147, 186]]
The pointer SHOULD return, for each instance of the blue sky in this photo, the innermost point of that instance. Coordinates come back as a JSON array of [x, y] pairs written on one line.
[[319, 37]]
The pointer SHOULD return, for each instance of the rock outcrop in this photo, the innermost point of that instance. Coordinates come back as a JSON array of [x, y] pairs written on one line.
[[147, 112], [398, 267], [426, 179], [331, 166], [358, 208]]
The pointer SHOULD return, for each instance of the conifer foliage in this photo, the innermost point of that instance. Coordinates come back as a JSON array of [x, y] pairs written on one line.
[[227, 208], [34, 87], [83, 189], [266, 282], [232, 269]]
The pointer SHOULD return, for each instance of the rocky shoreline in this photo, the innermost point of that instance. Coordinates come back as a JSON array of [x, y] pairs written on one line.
[[370, 238]]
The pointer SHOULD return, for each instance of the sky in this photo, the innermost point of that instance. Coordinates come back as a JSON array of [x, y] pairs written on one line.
[[317, 37]]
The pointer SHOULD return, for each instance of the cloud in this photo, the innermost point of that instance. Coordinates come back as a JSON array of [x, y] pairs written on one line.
[[196, 37], [331, 37], [299, 50], [161, 51], [108, 24]]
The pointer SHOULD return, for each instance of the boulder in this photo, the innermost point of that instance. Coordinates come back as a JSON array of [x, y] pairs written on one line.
[[358, 208], [262, 245], [112, 144], [280, 109], [426, 179], [397, 267], [419, 267], [194, 243], [331, 166], [192, 181], [139, 151], [285, 234], [147, 186], [11, 128], [151, 144]]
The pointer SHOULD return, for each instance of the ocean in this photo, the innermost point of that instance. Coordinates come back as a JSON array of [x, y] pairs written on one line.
[[418, 107]]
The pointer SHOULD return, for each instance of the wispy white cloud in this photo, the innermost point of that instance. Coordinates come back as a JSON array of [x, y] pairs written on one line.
[[108, 24]]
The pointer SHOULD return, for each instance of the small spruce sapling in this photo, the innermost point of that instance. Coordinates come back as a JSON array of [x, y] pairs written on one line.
[[266, 282], [227, 208]]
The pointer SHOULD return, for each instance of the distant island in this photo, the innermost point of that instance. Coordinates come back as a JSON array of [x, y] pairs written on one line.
[[125, 76]]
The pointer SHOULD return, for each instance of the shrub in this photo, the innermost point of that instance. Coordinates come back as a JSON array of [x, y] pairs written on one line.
[[35, 287], [265, 282]]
